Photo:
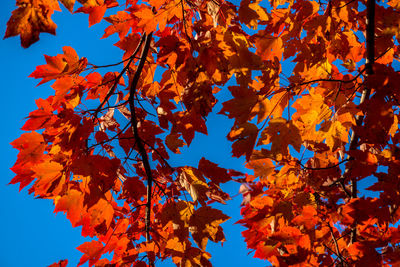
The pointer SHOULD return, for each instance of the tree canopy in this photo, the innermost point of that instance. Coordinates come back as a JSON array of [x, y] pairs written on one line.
[[314, 100]]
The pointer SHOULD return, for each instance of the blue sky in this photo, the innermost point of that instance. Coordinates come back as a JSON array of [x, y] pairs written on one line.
[[32, 234]]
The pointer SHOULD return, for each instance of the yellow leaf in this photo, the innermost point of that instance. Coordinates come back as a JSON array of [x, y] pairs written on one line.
[[194, 183]]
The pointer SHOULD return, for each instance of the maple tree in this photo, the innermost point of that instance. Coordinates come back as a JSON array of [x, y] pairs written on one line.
[[315, 106]]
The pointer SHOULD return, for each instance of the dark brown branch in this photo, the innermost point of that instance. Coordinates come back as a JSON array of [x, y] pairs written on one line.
[[322, 168], [106, 66], [365, 69], [370, 46], [159, 154], [112, 89], [338, 254], [139, 141]]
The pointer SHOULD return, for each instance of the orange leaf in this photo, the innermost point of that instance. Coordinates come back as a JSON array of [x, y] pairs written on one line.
[[250, 12], [265, 251], [268, 47], [121, 23], [62, 86], [60, 65], [262, 166], [147, 19], [31, 146], [30, 19], [95, 9], [176, 248], [281, 133], [46, 173], [308, 217], [92, 252], [101, 212], [72, 203]]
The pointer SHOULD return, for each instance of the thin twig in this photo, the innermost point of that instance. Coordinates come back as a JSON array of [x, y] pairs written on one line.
[[106, 66], [342, 259], [322, 168], [112, 89]]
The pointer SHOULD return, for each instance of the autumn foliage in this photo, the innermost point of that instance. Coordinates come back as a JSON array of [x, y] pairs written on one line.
[[314, 103]]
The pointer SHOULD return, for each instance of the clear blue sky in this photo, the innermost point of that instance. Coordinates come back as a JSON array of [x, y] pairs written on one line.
[[32, 235]]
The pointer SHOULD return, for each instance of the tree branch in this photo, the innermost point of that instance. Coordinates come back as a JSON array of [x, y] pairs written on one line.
[[370, 46], [139, 141], [322, 168], [112, 89], [338, 254]]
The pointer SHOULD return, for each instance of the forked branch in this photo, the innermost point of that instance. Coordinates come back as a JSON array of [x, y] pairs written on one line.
[[112, 89]]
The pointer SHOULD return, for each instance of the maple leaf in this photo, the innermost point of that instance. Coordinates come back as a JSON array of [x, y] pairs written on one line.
[[178, 213], [194, 183], [265, 251], [176, 248], [40, 118], [101, 212], [31, 146], [245, 105], [281, 133], [251, 12], [262, 166], [308, 217], [204, 226], [72, 203], [300, 203], [128, 44], [311, 110], [60, 65], [364, 254], [268, 47], [173, 142], [213, 172], [30, 19], [148, 20], [62, 86], [121, 23], [335, 135], [95, 9], [92, 252], [46, 172], [244, 137]]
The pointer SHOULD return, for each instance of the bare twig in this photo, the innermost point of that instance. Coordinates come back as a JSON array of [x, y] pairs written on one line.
[[338, 254], [322, 168], [112, 89]]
